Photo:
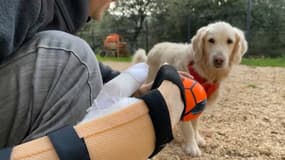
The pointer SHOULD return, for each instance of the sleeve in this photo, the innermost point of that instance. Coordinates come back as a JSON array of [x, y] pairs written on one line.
[[107, 72]]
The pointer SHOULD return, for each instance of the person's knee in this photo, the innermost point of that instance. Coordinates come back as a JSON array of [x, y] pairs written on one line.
[[74, 78], [80, 55], [64, 41], [70, 44]]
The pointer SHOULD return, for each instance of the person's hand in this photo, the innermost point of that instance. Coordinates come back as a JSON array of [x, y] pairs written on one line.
[[185, 74], [146, 87], [143, 89]]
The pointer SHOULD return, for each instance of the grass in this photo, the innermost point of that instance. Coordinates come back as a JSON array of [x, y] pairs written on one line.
[[261, 62], [265, 62], [252, 86], [116, 59]]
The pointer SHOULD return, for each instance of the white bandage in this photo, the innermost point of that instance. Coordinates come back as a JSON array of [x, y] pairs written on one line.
[[122, 86]]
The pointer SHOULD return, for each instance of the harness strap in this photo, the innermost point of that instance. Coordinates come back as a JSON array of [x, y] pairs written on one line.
[[68, 145]]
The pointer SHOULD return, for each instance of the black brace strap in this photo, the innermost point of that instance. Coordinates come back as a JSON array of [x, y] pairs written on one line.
[[159, 115], [68, 145], [168, 72], [5, 154]]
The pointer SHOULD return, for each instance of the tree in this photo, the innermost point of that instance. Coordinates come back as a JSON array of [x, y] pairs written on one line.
[[178, 21], [268, 28], [136, 11]]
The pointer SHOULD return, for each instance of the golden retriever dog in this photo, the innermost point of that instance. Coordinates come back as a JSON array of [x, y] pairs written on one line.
[[213, 51]]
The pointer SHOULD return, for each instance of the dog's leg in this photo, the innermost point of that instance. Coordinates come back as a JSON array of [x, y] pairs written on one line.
[[200, 140], [191, 147], [152, 72]]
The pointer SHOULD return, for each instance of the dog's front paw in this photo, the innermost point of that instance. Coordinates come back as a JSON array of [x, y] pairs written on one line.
[[200, 140], [192, 149]]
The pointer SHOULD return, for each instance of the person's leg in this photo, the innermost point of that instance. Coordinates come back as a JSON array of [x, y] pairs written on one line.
[[48, 84], [126, 134], [135, 131]]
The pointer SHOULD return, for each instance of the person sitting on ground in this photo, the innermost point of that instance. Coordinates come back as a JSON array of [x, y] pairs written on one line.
[[48, 76]]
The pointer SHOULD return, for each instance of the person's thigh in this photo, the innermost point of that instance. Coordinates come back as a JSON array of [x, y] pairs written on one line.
[[49, 83]]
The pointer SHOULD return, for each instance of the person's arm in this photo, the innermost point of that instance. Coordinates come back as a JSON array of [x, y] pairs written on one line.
[[107, 72]]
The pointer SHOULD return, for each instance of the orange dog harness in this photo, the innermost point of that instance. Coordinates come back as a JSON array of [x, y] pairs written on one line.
[[210, 88]]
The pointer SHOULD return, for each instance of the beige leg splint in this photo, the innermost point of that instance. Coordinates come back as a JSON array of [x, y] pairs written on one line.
[[135, 131], [127, 134]]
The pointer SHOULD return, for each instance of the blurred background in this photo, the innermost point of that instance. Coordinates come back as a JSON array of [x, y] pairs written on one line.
[[143, 23], [248, 120]]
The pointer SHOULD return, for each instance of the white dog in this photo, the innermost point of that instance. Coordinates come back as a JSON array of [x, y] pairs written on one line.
[[209, 59]]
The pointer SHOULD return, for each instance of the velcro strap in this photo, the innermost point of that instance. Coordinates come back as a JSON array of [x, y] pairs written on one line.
[[159, 115], [5, 154], [68, 145]]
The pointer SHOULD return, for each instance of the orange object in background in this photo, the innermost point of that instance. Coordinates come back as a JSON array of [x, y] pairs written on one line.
[[112, 38], [113, 43]]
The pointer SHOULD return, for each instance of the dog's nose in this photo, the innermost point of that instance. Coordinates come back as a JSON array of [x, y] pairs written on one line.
[[218, 62]]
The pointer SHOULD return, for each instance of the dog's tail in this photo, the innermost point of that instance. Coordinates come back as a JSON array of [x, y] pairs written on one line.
[[139, 56]]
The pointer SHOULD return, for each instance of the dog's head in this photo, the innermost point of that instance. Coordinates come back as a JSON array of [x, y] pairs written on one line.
[[219, 45]]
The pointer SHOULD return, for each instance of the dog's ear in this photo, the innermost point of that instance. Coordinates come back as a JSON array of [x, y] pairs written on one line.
[[240, 47], [198, 43]]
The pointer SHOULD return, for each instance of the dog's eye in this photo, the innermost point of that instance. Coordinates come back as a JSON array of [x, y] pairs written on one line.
[[211, 40], [230, 41]]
